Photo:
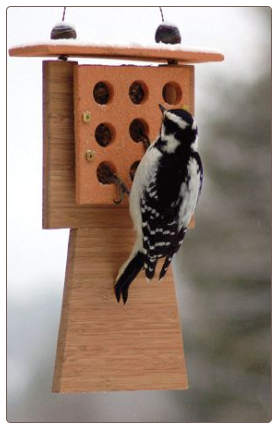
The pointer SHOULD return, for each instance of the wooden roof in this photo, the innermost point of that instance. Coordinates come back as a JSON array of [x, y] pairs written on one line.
[[136, 53]]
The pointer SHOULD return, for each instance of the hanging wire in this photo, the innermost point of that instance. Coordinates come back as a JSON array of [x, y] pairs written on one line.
[[161, 12], [64, 13]]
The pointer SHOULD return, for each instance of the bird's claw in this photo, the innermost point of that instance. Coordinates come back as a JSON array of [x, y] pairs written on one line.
[[122, 188], [121, 291], [145, 140]]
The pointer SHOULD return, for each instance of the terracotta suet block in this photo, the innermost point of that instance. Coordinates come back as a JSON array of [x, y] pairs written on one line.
[[172, 86]]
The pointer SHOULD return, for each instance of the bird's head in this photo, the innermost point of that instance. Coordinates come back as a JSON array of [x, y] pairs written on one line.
[[180, 125]]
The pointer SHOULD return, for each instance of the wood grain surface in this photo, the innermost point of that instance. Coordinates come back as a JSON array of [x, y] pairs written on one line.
[[104, 345]]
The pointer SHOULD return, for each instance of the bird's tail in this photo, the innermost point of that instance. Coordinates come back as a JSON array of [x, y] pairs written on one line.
[[128, 274]]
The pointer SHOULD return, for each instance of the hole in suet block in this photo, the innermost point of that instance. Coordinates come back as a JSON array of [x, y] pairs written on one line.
[[105, 172], [171, 93], [104, 134], [137, 92], [138, 130], [102, 93]]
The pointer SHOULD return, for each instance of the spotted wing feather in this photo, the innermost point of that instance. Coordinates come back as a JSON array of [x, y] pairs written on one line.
[[166, 212]]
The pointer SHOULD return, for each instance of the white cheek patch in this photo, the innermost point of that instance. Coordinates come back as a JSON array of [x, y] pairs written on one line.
[[171, 144], [179, 121]]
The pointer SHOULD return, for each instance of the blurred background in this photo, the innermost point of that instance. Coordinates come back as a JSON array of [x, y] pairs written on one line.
[[223, 271]]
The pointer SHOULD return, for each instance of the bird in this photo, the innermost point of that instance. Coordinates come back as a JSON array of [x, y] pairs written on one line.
[[163, 197]]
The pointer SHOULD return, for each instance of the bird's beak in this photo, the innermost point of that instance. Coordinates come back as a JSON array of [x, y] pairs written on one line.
[[162, 108]]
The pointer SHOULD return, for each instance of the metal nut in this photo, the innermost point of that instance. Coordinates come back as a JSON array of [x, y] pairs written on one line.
[[90, 155], [87, 117]]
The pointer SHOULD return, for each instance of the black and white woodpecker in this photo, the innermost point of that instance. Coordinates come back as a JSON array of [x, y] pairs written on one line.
[[163, 197]]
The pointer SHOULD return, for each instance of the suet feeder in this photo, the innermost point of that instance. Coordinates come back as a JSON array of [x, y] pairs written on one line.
[[97, 117]]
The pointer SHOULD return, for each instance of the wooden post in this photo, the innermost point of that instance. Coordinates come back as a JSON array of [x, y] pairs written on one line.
[[102, 345]]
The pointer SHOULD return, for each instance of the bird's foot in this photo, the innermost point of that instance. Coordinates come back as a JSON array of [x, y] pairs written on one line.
[[146, 141], [107, 176], [123, 189]]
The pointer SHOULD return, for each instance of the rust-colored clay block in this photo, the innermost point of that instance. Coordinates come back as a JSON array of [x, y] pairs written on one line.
[[113, 105], [104, 345]]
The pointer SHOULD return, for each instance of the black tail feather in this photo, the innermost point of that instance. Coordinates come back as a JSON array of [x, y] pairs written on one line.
[[150, 266], [128, 275], [164, 268]]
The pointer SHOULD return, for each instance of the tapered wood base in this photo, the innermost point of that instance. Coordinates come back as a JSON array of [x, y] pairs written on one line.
[[104, 345]]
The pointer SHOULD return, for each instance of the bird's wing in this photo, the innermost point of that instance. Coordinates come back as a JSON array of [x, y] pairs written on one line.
[[158, 228], [160, 220], [166, 212], [159, 232]]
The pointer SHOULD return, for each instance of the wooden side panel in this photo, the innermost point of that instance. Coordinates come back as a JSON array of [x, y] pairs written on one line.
[[107, 346], [59, 207]]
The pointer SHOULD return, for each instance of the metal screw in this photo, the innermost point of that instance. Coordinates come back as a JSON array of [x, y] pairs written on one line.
[[87, 116], [90, 155]]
